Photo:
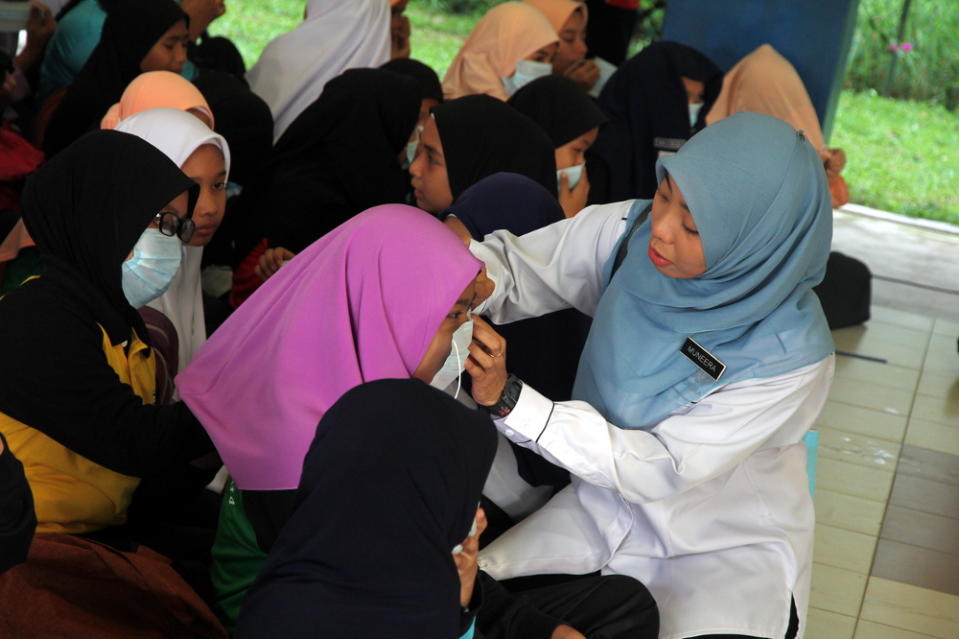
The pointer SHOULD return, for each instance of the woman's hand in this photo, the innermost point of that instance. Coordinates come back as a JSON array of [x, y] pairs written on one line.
[[585, 73], [202, 13], [573, 200], [466, 560], [271, 261], [566, 632], [487, 363]]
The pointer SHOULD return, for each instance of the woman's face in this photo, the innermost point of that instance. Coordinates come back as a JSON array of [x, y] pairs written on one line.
[[694, 89], [675, 248], [572, 43], [205, 166], [169, 52], [439, 349], [574, 152], [546, 54], [431, 184]]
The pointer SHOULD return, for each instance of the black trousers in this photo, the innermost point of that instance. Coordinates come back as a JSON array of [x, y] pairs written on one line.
[[611, 607]]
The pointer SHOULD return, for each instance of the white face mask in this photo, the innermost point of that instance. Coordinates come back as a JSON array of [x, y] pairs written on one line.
[[155, 262], [694, 113], [412, 145], [526, 72], [573, 174], [455, 363]]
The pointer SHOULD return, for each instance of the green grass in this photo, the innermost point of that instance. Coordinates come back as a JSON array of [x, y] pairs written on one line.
[[902, 156]]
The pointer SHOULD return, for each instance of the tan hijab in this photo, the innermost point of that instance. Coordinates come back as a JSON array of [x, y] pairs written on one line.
[[505, 35], [558, 11], [153, 90], [765, 82]]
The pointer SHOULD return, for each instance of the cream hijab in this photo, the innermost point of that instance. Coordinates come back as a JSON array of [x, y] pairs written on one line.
[[505, 35], [335, 35], [765, 82], [178, 134], [558, 11]]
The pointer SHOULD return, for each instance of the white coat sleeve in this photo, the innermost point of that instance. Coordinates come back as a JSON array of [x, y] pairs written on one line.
[[555, 267], [687, 448]]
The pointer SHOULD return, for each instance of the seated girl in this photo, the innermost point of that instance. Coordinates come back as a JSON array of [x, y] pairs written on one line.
[[655, 102], [335, 35], [512, 45], [77, 393], [204, 157], [765, 82], [138, 36], [347, 318], [392, 573], [708, 360], [470, 138], [339, 157], [569, 18], [572, 120]]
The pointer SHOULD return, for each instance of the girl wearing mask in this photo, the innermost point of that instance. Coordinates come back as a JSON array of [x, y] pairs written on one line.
[[708, 360], [76, 398], [511, 45], [655, 102], [421, 475], [138, 36], [337, 333], [467, 139], [204, 157], [572, 120], [569, 18]]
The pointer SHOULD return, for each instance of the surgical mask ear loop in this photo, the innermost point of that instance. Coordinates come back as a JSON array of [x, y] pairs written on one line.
[[459, 365]]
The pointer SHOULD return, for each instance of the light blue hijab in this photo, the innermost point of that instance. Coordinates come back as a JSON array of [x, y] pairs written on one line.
[[758, 195]]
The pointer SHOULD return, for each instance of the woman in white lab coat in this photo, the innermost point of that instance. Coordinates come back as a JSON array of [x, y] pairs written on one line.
[[708, 360]]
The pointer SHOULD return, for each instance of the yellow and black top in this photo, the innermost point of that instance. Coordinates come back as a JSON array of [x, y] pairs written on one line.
[[76, 376]]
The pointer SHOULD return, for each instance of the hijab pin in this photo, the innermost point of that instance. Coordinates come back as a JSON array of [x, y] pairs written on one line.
[[802, 135]]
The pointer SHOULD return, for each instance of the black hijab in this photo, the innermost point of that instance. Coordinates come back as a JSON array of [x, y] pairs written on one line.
[[243, 118], [131, 29], [560, 107], [424, 75], [647, 108], [339, 157], [390, 485], [482, 135], [88, 206]]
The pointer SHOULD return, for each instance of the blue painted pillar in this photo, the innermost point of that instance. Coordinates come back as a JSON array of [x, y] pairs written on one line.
[[814, 35]]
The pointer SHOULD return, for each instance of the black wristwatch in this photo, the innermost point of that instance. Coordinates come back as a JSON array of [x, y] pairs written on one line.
[[507, 401]]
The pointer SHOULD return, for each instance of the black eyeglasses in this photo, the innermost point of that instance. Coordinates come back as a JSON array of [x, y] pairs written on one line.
[[171, 224]]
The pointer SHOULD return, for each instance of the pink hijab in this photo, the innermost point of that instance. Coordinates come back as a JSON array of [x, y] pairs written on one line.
[[153, 90], [505, 35], [361, 303]]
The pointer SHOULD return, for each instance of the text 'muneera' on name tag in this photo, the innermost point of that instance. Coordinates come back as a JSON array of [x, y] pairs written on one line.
[[702, 358]]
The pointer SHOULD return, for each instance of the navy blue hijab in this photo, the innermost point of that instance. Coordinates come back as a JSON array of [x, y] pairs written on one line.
[[389, 487]]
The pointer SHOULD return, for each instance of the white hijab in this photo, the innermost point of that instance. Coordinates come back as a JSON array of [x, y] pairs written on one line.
[[178, 134], [335, 35]]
